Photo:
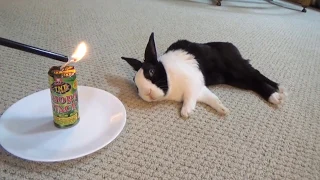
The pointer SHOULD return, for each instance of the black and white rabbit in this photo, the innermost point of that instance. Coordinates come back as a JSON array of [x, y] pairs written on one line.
[[185, 70]]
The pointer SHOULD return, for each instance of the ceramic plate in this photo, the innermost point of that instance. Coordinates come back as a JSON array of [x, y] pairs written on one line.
[[27, 129]]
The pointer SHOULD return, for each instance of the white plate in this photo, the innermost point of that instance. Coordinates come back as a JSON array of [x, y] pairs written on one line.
[[27, 129]]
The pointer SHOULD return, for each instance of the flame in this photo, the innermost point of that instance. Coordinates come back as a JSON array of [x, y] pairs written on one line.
[[79, 53]]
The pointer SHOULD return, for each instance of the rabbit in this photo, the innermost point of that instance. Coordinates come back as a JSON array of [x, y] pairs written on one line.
[[186, 69]]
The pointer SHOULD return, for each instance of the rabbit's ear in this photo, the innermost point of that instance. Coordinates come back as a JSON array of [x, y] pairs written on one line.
[[150, 54], [134, 63]]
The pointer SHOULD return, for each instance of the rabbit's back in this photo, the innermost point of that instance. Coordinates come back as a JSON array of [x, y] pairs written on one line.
[[216, 60]]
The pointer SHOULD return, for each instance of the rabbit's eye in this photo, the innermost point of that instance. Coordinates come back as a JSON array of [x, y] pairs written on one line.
[[151, 72]]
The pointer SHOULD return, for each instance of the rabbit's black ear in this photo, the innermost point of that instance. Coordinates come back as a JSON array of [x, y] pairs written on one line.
[[150, 54], [134, 63]]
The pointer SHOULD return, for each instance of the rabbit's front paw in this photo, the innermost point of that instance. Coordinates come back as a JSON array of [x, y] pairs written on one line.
[[223, 110], [220, 108], [186, 111]]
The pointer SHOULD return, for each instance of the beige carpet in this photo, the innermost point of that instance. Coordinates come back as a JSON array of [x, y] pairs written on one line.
[[256, 141]]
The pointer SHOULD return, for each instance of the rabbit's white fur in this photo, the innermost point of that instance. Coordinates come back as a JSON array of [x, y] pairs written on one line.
[[185, 81]]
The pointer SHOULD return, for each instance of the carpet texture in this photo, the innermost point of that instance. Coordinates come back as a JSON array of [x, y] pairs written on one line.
[[256, 141]]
